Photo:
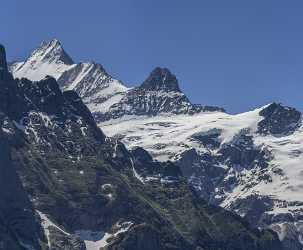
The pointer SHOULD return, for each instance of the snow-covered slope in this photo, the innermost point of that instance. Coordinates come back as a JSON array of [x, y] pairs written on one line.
[[97, 88], [251, 163], [166, 136], [48, 59]]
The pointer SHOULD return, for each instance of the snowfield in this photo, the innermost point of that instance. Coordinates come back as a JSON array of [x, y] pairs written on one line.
[[167, 136]]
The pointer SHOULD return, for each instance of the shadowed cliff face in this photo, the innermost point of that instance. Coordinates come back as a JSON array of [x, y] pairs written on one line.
[[4, 74], [18, 223], [3, 63]]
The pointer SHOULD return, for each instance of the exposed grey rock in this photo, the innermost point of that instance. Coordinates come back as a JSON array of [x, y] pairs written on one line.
[[4, 74], [289, 235], [209, 139], [158, 94], [279, 120], [61, 241], [140, 237], [3, 63], [161, 79]]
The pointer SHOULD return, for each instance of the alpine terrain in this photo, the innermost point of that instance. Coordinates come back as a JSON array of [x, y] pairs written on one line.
[[183, 168]]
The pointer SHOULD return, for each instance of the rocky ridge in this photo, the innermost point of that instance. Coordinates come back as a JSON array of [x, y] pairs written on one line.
[[106, 97]]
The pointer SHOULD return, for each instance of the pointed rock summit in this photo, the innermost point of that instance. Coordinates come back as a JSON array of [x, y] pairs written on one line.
[[161, 79], [279, 120], [4, 74], [3, 63]]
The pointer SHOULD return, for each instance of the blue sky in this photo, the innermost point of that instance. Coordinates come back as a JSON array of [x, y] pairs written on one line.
[[236, 54]]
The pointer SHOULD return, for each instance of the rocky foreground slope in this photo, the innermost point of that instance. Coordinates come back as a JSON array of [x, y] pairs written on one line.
[[65, 185], [249, 163]]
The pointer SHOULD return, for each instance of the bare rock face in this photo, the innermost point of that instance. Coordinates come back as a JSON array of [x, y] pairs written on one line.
[[4, 74], [161, 79], [289, 235], [59, 240], [141, 237], [158, 94], [3, 63], [279, 120]]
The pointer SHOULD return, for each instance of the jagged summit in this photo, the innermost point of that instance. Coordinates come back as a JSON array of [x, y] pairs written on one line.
[[3, 63], [4, 74], [89, 79], [279, 120], [161, 79], [105, 96], [53, 50], [47, 59]]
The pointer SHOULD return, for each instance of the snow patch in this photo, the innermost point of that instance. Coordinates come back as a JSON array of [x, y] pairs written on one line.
[[96, 240]]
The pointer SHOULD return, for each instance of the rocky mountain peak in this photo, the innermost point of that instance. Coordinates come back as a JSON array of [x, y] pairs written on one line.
[[3, 63], [279, 120], [161, 79], [52, 50], [4, 73]]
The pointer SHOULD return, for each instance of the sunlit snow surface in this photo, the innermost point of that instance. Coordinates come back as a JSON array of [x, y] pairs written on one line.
[[166, 136], [98, 89], [40, 64]]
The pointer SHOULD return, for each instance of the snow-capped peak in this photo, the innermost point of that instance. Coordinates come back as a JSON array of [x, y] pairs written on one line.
[[48, 59], [53, 50], [89, 79]]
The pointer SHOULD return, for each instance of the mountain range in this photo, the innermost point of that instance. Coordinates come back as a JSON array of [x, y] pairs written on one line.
[[143, 167]]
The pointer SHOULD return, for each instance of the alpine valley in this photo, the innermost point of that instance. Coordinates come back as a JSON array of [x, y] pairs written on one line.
[[88, 163]]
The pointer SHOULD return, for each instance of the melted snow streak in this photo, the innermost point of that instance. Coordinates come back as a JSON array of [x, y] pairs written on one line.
[[46, 223]]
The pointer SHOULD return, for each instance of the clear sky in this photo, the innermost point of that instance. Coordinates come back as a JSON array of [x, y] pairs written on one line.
[[238, 54]]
